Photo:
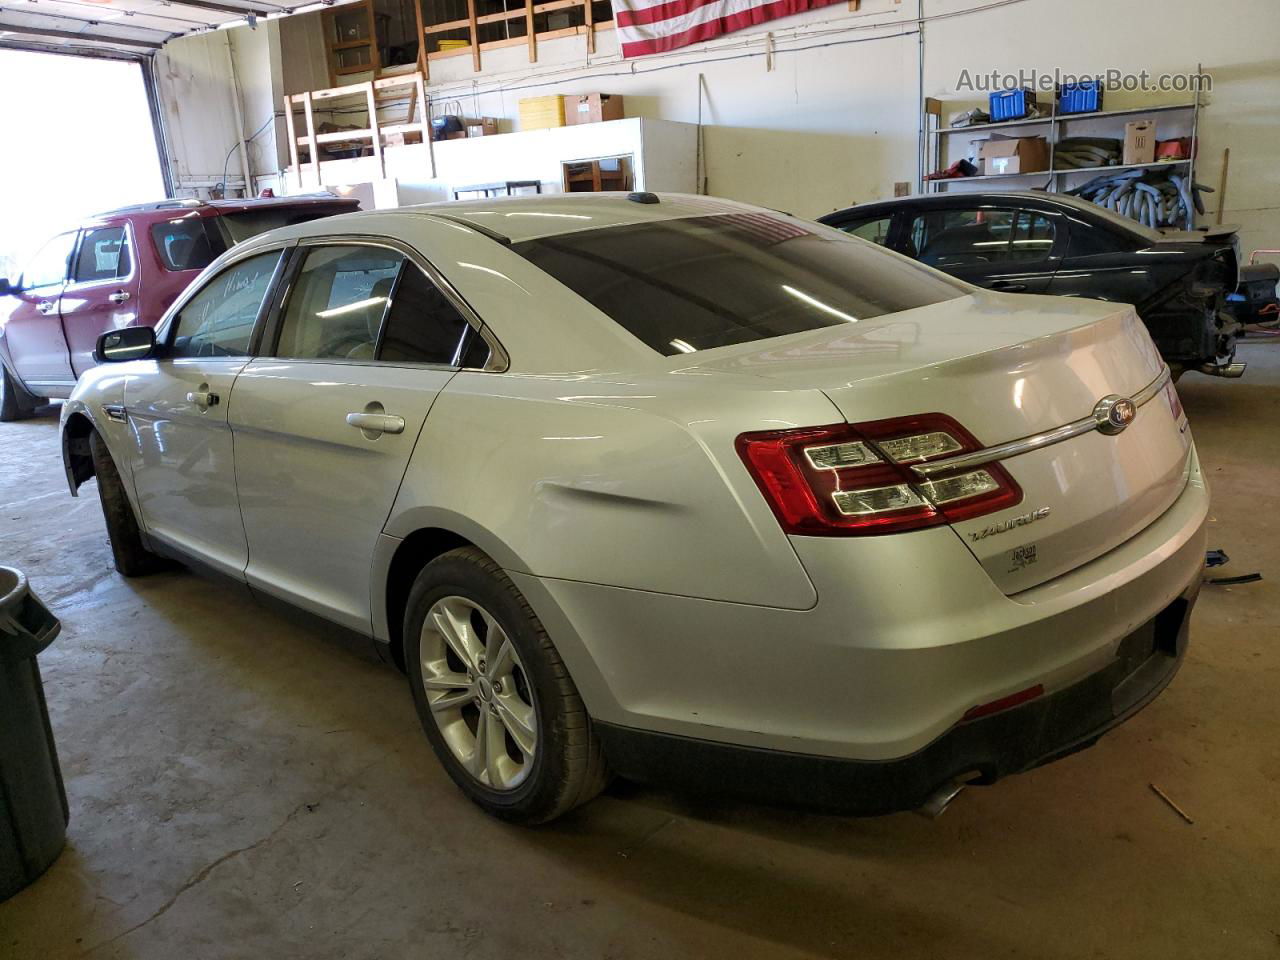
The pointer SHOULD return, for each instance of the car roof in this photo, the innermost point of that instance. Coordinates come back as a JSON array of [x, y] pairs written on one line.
[[167, 208], [945, 199], [1082, 209], [529, 217]]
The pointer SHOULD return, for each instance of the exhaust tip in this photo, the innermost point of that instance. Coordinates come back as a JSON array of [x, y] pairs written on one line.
[[1231, 371], [940, 799]]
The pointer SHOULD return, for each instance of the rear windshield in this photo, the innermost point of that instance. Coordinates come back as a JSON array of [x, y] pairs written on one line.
[[192, 243], [695, 283], [239, 227]]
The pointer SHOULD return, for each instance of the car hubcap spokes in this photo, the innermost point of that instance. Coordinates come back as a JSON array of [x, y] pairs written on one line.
[[478, 692]]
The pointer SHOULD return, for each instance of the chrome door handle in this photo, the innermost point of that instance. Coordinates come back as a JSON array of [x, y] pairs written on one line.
[[120, 296], [376, 423], [1008, 286], [45, 306], [203, 399]]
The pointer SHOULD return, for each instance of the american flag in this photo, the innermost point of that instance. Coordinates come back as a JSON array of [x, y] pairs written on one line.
[[647, 27]]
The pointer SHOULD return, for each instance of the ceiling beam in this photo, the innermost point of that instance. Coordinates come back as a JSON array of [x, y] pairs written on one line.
[[96, 18], [62, 50], [260, 10], [82, 37], [93, 22]]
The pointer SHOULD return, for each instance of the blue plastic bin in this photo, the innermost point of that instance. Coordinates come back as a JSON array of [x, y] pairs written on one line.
[[1082, 97], [1010, 104]]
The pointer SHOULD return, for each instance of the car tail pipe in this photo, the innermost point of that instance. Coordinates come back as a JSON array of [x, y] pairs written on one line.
[[1231, 371], [938, 801]]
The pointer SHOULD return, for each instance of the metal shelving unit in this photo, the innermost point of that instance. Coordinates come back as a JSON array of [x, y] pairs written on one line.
[[1056, 124]]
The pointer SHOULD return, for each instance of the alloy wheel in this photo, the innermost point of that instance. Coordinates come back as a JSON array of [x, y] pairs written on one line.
[[478, 693]]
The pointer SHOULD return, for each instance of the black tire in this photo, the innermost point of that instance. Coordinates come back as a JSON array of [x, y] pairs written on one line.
[[131, 557], [15, 402], [568, 767]]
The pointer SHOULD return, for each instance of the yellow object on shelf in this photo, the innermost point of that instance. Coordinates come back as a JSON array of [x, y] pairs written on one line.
[[452, 44], [539, 113]]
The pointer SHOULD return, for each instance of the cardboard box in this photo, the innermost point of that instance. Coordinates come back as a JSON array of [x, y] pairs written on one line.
[[592, 108], [401, 139], [1139, 142], [483, 127], [540, 113], [1014, 155]]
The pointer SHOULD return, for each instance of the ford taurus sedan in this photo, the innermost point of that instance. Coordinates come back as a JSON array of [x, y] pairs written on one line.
[[671, 487]]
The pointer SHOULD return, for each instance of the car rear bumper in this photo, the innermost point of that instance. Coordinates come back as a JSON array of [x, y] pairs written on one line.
[[978, 751], [908, 634]]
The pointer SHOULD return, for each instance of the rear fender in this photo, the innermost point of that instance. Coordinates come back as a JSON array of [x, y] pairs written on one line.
[[1187, 317]]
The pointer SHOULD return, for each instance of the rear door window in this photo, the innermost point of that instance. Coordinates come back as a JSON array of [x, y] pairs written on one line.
[[958, 238], [189, 243], [337, 303], [423, 325], [356, 302], [219, 320], [103, 255], [695, 283]]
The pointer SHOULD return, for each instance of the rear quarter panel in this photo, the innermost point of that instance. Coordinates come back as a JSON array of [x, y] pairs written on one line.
[[613, 480]]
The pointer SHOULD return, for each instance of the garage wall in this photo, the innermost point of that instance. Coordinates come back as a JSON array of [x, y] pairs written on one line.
[[821, 110], [257, 56], [814, 114], [1234, 39], [199, 78]]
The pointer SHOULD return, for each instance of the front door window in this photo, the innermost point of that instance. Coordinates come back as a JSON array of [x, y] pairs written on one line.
[[49, 266], [218, 321]]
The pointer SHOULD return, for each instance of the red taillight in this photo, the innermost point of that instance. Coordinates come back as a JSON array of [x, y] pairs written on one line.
[[856, 479]]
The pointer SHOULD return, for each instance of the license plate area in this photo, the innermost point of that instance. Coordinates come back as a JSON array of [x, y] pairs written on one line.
[[1147, 655], [1136, 649]]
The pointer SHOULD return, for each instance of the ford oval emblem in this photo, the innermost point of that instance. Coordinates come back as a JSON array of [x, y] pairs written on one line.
[[1112, 414]]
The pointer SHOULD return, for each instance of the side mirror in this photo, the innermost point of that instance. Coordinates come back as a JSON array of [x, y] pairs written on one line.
[[129, 343]]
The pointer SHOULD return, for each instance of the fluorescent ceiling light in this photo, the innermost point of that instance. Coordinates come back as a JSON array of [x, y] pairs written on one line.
[[815, 302], [350, 307]]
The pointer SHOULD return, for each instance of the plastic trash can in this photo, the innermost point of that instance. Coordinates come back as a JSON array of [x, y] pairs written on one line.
[[33, 802]]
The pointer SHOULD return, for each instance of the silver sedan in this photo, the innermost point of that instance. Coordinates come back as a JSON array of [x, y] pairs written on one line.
[[672, 487]]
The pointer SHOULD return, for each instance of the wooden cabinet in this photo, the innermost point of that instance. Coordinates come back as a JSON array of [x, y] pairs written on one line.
[[351, 39], [594, 176]]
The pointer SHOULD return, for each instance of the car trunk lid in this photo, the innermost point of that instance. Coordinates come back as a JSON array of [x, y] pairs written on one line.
[[1008, 368]]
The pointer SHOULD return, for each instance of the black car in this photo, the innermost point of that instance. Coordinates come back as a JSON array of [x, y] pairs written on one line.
[[1030, 242]]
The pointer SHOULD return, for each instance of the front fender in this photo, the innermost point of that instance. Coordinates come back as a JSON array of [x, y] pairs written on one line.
[[77, 421], [84, 412]]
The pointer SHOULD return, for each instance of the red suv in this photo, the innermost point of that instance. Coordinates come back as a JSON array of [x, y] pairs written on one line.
[[121, 269]]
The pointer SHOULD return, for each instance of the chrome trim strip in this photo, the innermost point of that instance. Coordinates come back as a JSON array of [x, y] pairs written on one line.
[[1013, 448]]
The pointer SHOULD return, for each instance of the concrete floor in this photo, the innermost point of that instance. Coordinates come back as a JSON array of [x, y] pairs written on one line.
[[241, 788]]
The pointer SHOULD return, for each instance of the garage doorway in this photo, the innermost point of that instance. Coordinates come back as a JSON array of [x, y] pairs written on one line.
[[87, 145]]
